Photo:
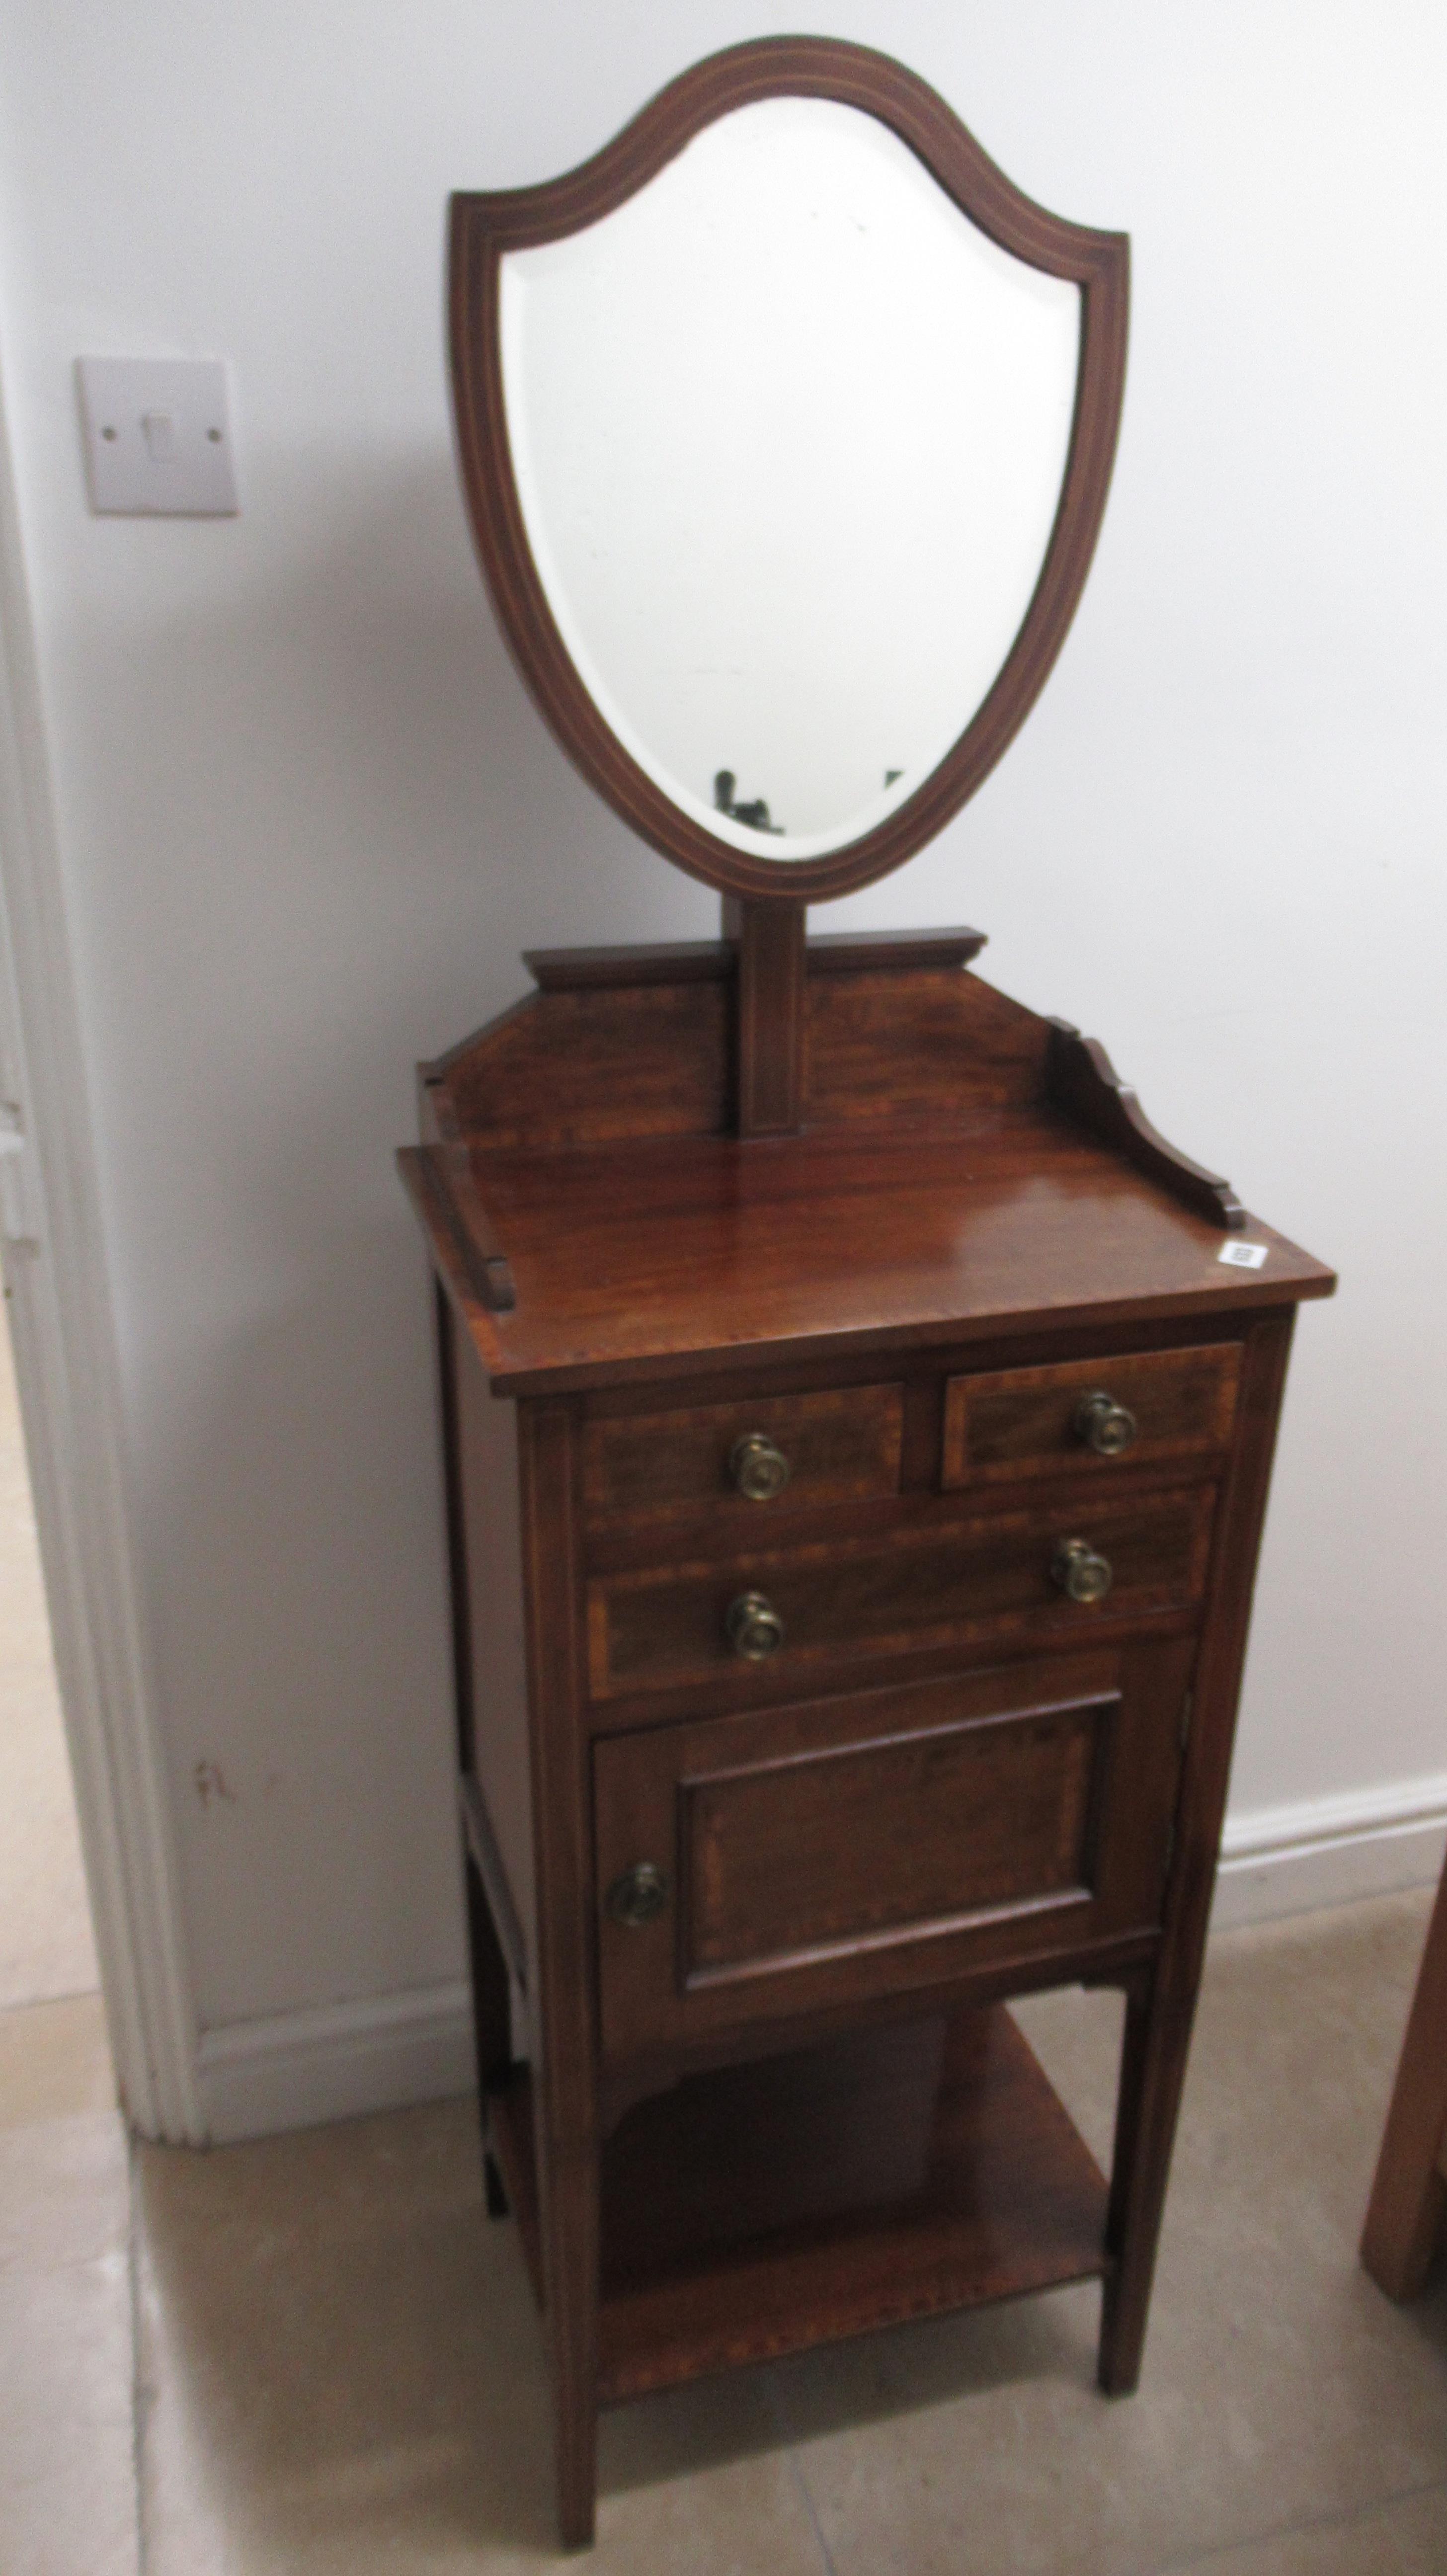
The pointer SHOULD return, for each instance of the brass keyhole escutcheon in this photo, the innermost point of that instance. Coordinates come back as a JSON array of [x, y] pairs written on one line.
[[1104, 1426], [1081, 1571], [758, 1467], [754, 1627], [639, 1896]]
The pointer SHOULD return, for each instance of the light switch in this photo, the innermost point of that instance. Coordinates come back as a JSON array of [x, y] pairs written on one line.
[[158, 436]]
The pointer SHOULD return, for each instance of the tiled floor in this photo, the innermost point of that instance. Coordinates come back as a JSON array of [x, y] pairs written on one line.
[[67, 2417], [46, 1946], [314, 2356]]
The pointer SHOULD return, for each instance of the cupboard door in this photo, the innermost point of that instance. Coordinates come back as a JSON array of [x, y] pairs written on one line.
[[783, 1861]]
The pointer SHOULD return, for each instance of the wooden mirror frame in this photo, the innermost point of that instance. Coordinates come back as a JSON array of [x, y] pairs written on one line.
[[484, 227]]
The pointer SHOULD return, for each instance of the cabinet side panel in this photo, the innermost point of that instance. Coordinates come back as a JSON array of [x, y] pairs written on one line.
[[492, 1573]]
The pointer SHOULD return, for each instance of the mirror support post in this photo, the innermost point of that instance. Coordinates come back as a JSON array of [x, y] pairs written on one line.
[[768, 937]]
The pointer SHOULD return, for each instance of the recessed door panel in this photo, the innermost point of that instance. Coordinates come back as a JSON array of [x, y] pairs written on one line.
[[856, 1843]]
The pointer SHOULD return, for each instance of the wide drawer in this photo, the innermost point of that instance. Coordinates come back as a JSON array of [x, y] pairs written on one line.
[[781, 1861], [839, 1446], [949, 1583], [1146, 1408]]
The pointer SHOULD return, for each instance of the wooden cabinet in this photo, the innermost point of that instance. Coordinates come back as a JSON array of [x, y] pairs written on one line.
[[852, 1540]]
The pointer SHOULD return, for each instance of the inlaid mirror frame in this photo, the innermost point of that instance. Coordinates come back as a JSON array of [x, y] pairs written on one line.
[[485, 228]]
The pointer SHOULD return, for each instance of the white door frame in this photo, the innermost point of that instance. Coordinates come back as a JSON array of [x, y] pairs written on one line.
[[67, 1368]]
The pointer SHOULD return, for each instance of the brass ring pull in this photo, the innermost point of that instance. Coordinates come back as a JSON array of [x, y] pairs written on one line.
[[639, 1896], [1081, 1571], [1104, 1426], [758, 1467], [754, 1627]]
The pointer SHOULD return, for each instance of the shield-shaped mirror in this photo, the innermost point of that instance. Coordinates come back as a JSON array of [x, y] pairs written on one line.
[[786, 425]]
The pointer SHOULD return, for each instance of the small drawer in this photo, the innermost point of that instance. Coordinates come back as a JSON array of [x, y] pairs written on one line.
[[793, 1858], [1143, 1408], [950, 1583], [743, 1459]]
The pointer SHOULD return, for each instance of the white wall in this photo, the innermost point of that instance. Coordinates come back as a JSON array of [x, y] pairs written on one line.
[[308, 819]]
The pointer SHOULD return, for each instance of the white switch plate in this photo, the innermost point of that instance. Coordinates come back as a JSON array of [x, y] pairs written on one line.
[[158, 436]]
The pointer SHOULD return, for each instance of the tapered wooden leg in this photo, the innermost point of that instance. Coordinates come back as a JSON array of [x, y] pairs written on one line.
[[1156, 2043], [568, 2217], [1137, 2193], [565, 2074], [567, 2174], [491, 2004], [1161, 2006], [491, 2021], [1409, 2196], [491, 2017], [1160, 2011]]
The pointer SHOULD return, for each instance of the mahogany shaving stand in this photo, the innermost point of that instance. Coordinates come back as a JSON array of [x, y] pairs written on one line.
[[850, 1594]]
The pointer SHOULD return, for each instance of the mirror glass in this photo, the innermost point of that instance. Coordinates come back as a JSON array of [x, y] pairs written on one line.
[[789, 434]]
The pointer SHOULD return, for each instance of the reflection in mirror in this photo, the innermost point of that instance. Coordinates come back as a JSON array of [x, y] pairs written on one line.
[[789, 434]]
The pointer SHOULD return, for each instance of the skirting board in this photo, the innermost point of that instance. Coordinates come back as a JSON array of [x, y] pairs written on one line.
[[1285, 1860], [257, 2078], [294, 2070]]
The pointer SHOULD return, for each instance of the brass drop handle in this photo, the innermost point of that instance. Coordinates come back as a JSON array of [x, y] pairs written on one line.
[[639, 1896], [1081, 1571], [754, 1627], [1104, 1426], [758, 1467]]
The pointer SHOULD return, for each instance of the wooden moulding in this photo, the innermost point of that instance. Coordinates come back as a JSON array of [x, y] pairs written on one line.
[[895, 2173], [439, 1178], [1082, 1081], [486, 227], [715, 961]]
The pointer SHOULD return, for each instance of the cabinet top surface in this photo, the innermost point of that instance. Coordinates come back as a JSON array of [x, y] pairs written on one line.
[[703, 1252]]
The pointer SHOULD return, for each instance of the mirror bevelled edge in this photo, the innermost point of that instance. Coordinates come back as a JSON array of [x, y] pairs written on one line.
[[485, 227]]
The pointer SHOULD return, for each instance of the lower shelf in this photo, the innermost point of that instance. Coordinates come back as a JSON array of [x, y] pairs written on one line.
[[756, 2210]]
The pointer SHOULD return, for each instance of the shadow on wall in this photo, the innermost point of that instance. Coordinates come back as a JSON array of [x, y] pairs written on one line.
[[322, 827]]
